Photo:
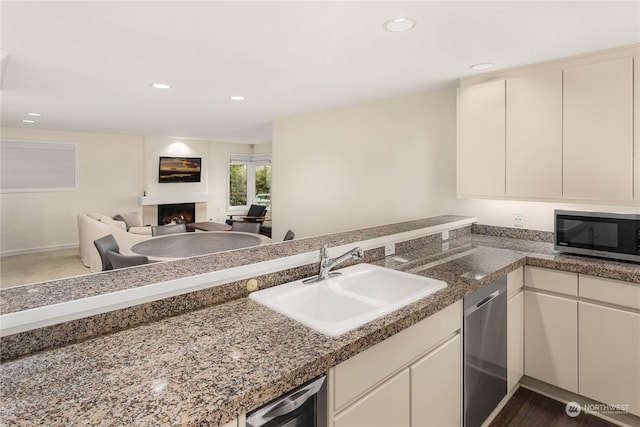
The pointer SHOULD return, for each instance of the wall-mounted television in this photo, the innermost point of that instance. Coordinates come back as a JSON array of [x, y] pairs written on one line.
[[179, 169]]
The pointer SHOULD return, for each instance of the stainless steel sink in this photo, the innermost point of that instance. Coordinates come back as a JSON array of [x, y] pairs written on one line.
[[360, 294]]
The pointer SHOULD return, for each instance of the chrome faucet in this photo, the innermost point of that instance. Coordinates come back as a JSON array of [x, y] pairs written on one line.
[[326, 264]]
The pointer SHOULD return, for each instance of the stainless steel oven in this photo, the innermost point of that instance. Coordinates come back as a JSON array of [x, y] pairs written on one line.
[[607, 235], [306, 406]]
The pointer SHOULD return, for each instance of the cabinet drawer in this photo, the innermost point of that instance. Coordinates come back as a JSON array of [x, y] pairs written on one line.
[[393, 396], [610, 290], [545, 279], [357, 375]]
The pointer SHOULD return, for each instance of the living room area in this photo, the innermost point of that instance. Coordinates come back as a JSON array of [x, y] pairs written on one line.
[[119, 175]]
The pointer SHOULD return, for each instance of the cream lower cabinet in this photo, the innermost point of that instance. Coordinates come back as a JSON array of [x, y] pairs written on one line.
[[412, 378], [551, 339], [515, 328], [610, 355], [609, 342], [437, 406], [551, 327], [589, 343], [387, 405]]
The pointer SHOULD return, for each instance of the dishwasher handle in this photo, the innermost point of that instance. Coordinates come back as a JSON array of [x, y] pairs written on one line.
[[290, 403], [483, 302], [286, 404]]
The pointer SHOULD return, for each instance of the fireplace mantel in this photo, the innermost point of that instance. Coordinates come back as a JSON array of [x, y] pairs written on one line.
[[181, 198]]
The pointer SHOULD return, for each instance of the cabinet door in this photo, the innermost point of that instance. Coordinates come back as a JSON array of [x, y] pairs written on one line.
[[598, 131], [534, 135], [353, 377], [551, 339], [387, 405], [481, 169], [609, 342], [515, 339], [435, 387], [636, 119]]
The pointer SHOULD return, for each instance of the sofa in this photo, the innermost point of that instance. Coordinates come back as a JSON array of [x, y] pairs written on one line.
[[127, 229]]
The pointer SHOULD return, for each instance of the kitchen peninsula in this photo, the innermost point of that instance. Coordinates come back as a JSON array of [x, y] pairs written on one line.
[[210, 365]]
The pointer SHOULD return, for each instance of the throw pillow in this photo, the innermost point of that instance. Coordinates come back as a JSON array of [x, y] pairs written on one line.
[[120, 218], [133, 219]]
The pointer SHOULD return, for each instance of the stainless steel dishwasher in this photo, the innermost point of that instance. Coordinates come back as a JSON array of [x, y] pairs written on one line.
[[485, 351]]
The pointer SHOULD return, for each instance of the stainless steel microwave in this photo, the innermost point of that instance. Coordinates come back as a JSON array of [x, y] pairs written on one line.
[[607, 235]]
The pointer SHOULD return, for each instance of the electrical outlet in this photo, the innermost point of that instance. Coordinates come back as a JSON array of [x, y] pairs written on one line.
[[518, 220], [389, 249]]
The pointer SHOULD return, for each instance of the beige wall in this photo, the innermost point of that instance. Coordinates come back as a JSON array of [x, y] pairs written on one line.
[[115, 171], [111, 181], [382, 162], [536, 215], [366, 165]]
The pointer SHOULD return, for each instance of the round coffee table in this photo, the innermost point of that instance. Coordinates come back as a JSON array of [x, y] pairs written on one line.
[[184, 245]]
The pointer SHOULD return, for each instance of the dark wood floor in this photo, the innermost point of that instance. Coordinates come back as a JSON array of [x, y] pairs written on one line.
[[530, 409]]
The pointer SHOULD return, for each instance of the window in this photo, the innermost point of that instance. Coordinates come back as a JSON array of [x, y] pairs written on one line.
[[29, 166], [249, 180]]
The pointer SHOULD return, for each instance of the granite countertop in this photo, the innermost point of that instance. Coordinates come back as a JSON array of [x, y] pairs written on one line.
[[208, 366]]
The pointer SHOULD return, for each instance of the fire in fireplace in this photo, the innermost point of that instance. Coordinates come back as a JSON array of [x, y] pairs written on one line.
[[178, 213]]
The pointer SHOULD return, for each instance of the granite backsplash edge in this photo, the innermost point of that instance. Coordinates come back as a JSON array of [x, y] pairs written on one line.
[[49, 337]]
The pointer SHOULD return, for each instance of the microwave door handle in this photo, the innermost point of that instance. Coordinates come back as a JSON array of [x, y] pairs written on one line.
[[290, 403]]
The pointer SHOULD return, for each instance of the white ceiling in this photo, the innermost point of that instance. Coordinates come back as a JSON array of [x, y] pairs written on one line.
[[88, 66]]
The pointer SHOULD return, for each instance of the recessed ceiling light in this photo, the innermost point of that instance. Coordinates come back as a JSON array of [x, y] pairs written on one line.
[[399, 25], [28, 121], [34, 114], [236, 98], [481, 67], [161, 86]]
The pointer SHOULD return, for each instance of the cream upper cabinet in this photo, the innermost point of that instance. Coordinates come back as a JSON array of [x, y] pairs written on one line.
[[598, 130], [556, 130], [636, 120], [481, 154], [534, 135]]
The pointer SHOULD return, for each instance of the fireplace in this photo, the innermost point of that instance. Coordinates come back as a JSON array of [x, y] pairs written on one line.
[[176, 213]]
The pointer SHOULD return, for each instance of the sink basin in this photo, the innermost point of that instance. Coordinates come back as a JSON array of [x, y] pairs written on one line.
[[360, 294]]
